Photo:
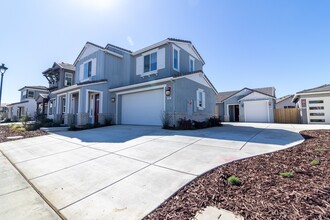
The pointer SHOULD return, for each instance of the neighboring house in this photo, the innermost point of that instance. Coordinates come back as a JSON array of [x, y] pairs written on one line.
[[314, 105], [112, 83], [285, 102], [27, 104], [59, 76], [3, 111], [247, 105]]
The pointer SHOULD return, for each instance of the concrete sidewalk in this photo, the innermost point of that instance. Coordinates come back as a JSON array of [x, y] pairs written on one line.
[[18, 199], [124, 172]]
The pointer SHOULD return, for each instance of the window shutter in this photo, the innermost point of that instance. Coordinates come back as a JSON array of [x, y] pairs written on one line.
[[93, 67], [139, 65], [81, 72], [161, 59]]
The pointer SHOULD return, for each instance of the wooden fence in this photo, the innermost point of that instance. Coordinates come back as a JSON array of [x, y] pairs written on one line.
[[287, 115]]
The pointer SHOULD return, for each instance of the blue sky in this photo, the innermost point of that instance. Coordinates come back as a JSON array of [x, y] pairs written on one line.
[[254, 43]]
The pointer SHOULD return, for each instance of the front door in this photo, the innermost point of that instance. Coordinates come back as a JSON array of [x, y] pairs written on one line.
[[233, 113], [96, 108]]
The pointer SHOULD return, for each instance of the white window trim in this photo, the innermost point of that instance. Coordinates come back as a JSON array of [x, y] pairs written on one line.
[[203, 99], [93, 69], [192, 59], [178, 49], [152, 71]]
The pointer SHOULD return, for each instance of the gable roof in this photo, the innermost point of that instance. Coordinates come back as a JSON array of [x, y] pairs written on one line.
[[223, 96], [284, 98], [66, 66], [170, 40], [317, 90], [96, 46], [34, 88], [182, 74], [323, 88], [116, 47]]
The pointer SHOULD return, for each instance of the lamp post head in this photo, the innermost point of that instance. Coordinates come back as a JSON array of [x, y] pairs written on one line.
[[3, 68]]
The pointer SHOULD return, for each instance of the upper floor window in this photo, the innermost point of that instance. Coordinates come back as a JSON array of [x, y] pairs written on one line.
[[150, 62], [68, 81], [176, 57], [27, 94], [87, 69], [200, 99], [30, 94], [24, 94], [191, 64]]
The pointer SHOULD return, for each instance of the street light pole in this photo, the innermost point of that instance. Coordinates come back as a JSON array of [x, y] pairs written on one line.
[[2, 71]]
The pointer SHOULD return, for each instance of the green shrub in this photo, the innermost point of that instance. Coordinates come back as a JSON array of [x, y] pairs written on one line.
[[315, 162], [287, 174], [234, 180]]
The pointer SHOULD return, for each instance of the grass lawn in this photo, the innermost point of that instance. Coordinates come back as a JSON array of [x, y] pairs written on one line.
[[289, 184]]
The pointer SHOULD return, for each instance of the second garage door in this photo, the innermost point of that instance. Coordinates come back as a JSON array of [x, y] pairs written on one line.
[[256, 111], [143, 108]]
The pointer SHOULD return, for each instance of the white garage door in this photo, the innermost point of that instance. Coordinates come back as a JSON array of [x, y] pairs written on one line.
[[256, 111], [143, 108]]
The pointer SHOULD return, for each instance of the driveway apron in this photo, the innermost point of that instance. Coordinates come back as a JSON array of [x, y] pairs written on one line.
[[124, 172]]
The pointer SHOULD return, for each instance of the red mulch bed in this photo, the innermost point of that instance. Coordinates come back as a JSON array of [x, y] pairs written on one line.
[[6, 132], [263, 193]]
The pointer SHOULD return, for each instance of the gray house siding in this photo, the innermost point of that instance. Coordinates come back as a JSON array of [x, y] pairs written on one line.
[[117, 70], [221, 110], [168, 70], [100, 70], [184, 61], [161, 73], [122, 71], [184, 101]]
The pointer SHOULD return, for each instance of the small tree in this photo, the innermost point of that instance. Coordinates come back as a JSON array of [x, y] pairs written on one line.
[[25, 119]]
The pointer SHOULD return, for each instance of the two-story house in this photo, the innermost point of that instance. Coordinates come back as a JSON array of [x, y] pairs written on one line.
[[27, 104], [139, 87], [59, 76]]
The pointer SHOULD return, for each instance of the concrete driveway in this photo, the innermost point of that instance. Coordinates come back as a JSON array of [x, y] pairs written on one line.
[[124, 172]]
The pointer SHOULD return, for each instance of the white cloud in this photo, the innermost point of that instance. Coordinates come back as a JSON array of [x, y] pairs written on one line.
[[130, 40]]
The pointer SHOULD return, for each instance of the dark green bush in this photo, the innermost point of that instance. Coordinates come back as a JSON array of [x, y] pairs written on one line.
[[234, 180]]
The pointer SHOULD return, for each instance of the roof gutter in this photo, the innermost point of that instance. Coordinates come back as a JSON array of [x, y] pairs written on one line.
[[297, 95]]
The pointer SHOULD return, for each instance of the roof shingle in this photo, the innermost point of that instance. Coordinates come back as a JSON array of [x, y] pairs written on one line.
[[270, 91], [323, 88]]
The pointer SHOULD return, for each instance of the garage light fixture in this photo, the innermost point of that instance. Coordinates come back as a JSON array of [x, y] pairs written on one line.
[[168, 91], [113, 99]]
